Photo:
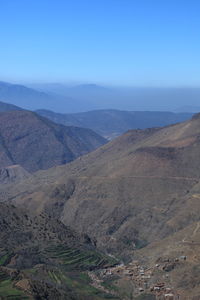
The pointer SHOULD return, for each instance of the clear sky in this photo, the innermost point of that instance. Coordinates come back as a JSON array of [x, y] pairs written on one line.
[[120, 42]]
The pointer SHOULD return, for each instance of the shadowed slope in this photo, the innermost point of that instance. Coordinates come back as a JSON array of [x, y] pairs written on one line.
[[111, 123], [37, 143]]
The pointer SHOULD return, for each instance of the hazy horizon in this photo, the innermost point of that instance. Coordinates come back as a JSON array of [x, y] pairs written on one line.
[[86, 97], [90, 55], [113, 43], [75, 83]]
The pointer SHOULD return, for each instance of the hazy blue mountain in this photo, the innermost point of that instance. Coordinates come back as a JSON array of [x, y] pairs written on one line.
[[86, 97], [8, 107], [57, 88], [92, 97], [34, 142], [82, 90], [112, 123], [31, 99], [109, 123], [81, 97]]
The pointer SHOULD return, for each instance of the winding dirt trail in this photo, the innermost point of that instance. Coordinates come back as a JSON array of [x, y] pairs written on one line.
[[196, 229], [145, 177]]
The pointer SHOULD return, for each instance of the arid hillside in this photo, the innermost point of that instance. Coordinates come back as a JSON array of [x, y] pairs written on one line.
[[134, 195], [41, 258], [13, 173], [37, 143]]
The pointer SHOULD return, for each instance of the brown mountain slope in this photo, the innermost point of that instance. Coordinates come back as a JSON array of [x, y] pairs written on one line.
[[41, 258], [125, 193], [36, 143], [142, 190], [14, 173], [176, 257], [19, 229]]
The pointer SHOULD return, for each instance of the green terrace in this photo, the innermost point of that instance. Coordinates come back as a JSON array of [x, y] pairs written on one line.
[[79, 259], [7, 289]]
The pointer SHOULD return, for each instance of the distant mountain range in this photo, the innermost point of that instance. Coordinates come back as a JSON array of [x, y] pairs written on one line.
[[31, 99], [86, 97], [36, 143], [80, 91], [112, 123], [109, 123], [127, 98]]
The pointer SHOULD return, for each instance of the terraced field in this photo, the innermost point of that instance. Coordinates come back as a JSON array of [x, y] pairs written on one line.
[[63, 272], [78, 259], [72, 272], [78, 283], [7, 289]]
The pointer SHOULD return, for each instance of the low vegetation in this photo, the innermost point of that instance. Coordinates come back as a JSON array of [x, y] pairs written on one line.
[[8, 290], [78, 259]]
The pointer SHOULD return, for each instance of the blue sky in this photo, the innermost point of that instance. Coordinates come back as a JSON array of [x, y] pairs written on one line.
[[118, 42]]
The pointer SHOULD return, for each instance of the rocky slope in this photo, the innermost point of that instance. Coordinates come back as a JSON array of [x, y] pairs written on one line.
[[40, 258], [138, 196], [37, 143], [14, 173]]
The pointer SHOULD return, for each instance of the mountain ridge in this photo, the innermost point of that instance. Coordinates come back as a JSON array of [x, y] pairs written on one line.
[[37, 143], [112, 123], [30, 99]]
